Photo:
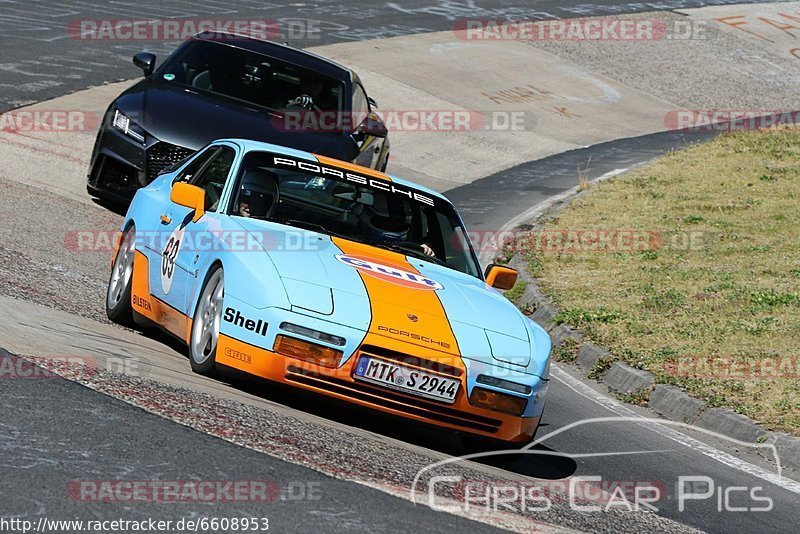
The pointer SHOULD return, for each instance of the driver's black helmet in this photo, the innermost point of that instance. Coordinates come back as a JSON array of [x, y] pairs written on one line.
[[259, 190], [387, 226]]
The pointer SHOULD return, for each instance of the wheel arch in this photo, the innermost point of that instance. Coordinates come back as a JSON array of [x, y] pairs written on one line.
[[198, 287]]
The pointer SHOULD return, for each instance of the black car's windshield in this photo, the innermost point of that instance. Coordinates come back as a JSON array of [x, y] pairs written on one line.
[[252, 78], [353, 205]]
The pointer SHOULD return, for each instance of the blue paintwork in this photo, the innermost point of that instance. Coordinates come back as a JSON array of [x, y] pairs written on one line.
[[290, 274]]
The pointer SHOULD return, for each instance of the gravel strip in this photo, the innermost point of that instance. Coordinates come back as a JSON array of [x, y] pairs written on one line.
[[39, 261], [347, 456]]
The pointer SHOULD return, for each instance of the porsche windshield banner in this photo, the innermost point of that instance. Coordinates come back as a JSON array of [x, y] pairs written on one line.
[[351, 177]]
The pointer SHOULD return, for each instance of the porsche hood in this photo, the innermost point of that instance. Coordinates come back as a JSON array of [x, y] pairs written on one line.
[[398, 296]]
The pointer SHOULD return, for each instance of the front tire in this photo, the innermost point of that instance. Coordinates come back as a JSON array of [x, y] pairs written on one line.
[[204, 338], [120, 283]]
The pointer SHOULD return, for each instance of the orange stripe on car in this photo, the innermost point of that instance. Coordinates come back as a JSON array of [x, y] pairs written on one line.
[[401, 313]]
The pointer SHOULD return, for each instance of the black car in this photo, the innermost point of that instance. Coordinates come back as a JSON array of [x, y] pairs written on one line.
[[221, 86]]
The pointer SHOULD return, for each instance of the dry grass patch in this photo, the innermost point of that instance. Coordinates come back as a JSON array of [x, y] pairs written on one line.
[[716, 293]]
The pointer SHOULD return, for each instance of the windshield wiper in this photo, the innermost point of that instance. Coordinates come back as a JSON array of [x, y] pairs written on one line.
[[380, 244], [304, 224], [314, 227]]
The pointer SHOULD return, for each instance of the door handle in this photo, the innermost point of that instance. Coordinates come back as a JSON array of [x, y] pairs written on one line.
[[165, 219]]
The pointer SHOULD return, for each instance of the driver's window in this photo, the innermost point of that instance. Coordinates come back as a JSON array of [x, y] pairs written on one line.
[[196, 164], [360, 105], [212, 178]]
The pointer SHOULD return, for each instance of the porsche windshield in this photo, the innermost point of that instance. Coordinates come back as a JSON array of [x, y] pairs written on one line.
[[355, 206], [252, 78]]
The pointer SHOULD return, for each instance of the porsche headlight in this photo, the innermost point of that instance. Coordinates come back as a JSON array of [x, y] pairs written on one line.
[[127, 126], [493, 400], [504, 384]]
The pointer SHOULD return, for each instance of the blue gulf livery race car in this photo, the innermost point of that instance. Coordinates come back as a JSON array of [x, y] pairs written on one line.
[[334, 278]]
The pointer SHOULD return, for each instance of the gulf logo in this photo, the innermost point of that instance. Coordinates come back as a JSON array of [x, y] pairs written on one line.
[[390, 273]]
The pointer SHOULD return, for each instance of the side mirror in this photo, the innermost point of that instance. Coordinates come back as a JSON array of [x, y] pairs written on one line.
[[372, 103], [501, 277], [145, 61], [373, 125], [189, 196]]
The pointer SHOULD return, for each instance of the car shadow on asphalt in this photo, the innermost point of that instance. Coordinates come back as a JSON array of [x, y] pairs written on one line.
[[538, 461]]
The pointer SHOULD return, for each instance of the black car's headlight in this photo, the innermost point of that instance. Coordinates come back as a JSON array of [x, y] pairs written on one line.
[[125, 125]]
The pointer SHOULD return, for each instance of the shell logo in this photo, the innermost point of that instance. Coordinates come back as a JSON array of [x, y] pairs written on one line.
[[390, 273]]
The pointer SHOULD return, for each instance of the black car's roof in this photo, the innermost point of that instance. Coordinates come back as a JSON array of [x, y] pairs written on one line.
[[281, 51]]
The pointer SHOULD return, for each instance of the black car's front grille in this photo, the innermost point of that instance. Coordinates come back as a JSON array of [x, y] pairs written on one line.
[[162, 155], [116, 176]]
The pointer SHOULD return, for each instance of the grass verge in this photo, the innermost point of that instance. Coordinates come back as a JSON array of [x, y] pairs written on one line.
[[690, 268]]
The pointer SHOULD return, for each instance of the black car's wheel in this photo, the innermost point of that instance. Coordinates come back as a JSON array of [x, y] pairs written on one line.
[[205, 325], [120, 283]]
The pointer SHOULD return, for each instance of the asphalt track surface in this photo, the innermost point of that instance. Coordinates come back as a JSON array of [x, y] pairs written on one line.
[[128, 443], [124, 442], [42, 60]]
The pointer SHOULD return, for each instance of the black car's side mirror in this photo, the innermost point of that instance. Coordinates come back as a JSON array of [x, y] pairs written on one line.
[[145, 61], [373, 125]]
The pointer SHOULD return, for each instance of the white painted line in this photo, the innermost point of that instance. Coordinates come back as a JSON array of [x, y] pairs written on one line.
[[658, 426], [541, 207], [486, 257]]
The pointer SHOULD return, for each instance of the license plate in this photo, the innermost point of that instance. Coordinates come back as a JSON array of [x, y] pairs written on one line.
[[407, 379]]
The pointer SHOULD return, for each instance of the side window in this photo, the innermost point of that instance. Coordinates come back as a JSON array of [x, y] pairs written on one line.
[[360, 105], [212, 178], [197, 163], [456, 246]]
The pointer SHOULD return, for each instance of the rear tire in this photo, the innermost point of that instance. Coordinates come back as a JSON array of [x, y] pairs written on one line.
[[120, 283], [205, 324]]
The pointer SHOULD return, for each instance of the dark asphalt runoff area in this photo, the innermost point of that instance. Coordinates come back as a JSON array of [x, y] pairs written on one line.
[[55, 432], [45, 57], [488, 203]]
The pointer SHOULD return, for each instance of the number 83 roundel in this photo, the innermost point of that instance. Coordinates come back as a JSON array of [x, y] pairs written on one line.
[[168, 256]]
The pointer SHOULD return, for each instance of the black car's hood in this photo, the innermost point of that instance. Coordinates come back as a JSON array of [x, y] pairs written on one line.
[[181, 116]]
